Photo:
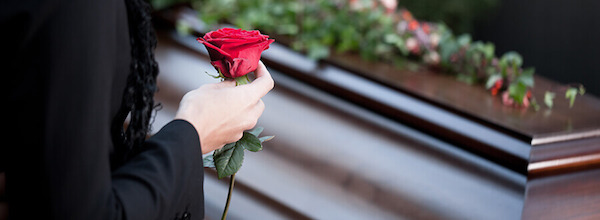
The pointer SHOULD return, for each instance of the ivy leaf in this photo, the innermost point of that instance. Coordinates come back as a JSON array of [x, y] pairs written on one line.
[[464, 40], [517, 91], [317, 51], [570, 94], [581, 90], [513, 58], [250, 142], [488, 50], [228, 160], [447, 46], [526, 77], [535, 105], [549, 98]]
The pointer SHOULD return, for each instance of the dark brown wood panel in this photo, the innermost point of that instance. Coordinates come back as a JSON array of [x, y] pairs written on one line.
[[564, 157], [561, 123], [568, 196]]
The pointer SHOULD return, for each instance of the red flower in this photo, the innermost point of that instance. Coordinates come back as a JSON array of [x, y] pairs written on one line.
[[412, 44], [506, 99], [496, 87], [406, 15], [413, 25], [509, 101], [235, 52], [426, 28]]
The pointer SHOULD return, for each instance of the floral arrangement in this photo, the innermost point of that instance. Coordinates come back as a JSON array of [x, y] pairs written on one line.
[[380, 31], [475, 62]]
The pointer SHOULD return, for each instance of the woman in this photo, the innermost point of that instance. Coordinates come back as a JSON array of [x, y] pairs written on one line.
[[74, 70]]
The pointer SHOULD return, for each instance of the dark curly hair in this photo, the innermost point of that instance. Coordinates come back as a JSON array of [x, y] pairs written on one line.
[[138, 96]]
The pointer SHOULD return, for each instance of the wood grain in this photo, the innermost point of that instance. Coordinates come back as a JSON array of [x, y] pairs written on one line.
[[569, 196]]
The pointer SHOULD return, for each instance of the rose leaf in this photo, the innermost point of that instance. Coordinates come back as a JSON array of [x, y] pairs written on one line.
[[228, 160], [208, 162], [266, 138], [256, 131], [250, 142]]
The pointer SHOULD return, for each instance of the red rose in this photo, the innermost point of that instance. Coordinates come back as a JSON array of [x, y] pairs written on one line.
[[235, 52]]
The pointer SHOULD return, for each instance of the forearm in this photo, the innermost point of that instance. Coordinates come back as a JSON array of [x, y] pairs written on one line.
[[167, 177]]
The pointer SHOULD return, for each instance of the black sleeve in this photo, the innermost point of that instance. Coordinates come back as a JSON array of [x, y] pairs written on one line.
[[168, 174]]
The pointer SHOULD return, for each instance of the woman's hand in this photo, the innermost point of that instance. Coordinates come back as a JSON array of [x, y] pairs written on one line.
[[221, 112]]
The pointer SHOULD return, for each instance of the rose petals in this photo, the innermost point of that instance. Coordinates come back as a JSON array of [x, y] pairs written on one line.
[[235, 52]]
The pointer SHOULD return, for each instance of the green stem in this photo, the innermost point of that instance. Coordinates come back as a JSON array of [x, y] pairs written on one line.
[[231, 182], [242, 80]]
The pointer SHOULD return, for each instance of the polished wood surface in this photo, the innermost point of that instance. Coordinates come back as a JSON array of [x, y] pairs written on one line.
[[536, 127], [564, 157], [568, 196]]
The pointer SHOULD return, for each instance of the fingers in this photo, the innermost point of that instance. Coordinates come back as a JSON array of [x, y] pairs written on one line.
[[252, 115], [262, 84], [247, 121], [263, 77], [225, 84], [260, 70]]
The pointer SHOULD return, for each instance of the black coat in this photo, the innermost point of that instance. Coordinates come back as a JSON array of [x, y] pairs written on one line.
[[64, 69]]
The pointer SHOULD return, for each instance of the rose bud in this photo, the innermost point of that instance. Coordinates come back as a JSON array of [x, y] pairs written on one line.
[[235, 52], [506, 99], [432, 58], [413, 45], [413, 25], [496, 87], [434, 39]]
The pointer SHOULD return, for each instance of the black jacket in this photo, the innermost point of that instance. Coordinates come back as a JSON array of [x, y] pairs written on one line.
[[64, 67]]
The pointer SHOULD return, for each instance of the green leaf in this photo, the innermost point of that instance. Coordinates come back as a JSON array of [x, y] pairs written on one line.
[[517, 91], [464, 40], [391, 38], [256, 131], [492, 80], [581, 90], [208, 162], [223, 149], [228, 160], [317, 51], [549, 98], [488, 50], [183, 27], [266, 138], [535, 105], [526, 77], [513, 58], [250, 142], [570, 94]]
